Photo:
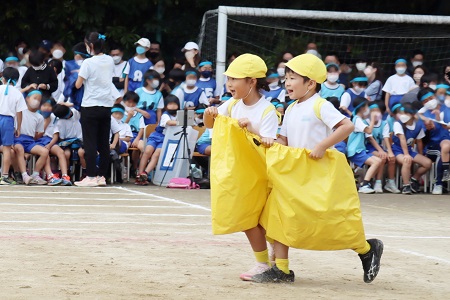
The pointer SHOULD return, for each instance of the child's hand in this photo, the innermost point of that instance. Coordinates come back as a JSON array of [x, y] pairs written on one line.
[[47, 147], [17, 132], [42, 86], [318, 152], [135, 144], [112, 147], [382, 155], [436, 112], [68, 104], [391, 156], [267, 142], [408, 159], [32, 86], [211, 111], [243, 122]]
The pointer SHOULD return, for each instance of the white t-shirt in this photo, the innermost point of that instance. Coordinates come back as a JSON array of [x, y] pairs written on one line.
[[264, 127], [398, 129], [69, 128], [303, 129], [346, 99], [50, 130], [180, 94], [139, 60], [97, 72], [118, 69], [164, 119], [386, 130], [12, 103], [122, 128], [32, 122], [360, 126], [398, 85], [57, 94]]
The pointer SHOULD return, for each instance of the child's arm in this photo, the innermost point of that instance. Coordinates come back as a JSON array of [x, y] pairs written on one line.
[[126, 139], [38, 135], [378, 147], [405, 150], [390, 153], [143, 112], [129, 116], [342, 131], [54, 140], [79, 82], [419, 144], [281, 139], [369, 128], [209, 116], [115, 141], [125, 85], [386, 101], [19, 123], [138, 138]]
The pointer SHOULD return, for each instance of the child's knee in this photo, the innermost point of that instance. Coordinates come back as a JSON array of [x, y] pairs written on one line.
[[428, 163]]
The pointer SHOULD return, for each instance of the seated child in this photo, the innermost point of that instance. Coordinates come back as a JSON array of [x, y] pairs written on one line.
[[190, 95], [276, 91], [207, 83], [125, 134], [331, 87], [150, 96], [359, 84], [32, 129], [50, 139], [407, 132], [356, 150], [156, 139], [204, 142]]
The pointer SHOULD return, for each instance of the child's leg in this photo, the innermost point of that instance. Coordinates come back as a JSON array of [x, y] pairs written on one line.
[[20, 158], [62, 159], [135, 158], [145, 157], [208, 151], [81, 156], [445, 151], [373, 163], [7, 159], [391, 169], [380, 172], [67, 154], [406, 168], [43, 155], [281, 256], [153, 161], [425, 165]]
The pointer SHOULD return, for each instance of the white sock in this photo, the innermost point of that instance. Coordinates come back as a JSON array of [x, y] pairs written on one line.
[[35, 174], [24, 174]]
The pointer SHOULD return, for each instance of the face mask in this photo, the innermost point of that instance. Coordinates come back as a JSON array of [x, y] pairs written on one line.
[[46, 114], [153, 54], [128, 109], [79, 62], [368, 71], [206, 74], [198, 120], [281, 72], [34, 104], [20, 51], [140, 50], [88, 51], [171, 84], [358, 89], [117, 59], [191, 82], [430, 105], [349, 70], [332, 77], [366, 113], [417, 63], [432, 86], [417, 77], [361, 66], [400, 70], [57, 54], [12, 66], [189, 54], [447, 102], [155, 84], [404, 118], [273, 85], [160, 70], [378, 116], [441, 98], [172, 112]]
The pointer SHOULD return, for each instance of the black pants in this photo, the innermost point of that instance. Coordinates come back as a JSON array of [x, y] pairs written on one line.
[[96, 126]]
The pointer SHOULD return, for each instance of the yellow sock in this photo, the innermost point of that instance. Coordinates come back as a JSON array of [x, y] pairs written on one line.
[[282, 264], [262, 257], [363, 250]]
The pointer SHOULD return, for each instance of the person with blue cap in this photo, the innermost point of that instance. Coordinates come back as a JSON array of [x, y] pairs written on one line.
[[359, 84], [397, 85], [207, 83]]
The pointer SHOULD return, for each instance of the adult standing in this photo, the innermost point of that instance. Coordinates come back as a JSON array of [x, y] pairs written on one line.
[[95, 74]]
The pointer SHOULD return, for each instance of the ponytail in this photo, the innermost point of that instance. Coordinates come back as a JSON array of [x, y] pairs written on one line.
[[97, 40]]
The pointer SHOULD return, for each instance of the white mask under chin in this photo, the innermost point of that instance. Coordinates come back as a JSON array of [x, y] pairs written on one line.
[[273, 85], [191, 82]]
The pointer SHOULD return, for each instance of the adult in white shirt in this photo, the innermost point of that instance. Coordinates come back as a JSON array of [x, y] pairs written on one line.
[[95, 74]]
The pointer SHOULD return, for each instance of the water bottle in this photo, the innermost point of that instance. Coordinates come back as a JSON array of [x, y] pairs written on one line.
[[124, 171]]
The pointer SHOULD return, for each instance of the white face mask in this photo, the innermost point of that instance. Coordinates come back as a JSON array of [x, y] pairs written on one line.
[[57, 54], [191, 82], [447, 102], [404, 118], [189, 54], [361, 66], [34, 104], [117, 59], [417, 77], [432, 104], [366, 113], [417, 63], [79, 62], [432, 86], [332, 77], [20, 51], [281, 72], [155, 84], [378, 116], [273, 85], [160, 70], [358, 89], [400, 70]]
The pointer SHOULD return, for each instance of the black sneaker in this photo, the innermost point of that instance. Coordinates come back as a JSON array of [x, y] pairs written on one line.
[[406, 190], [274, 275], [18, 177], [371, 260], [415, 186]]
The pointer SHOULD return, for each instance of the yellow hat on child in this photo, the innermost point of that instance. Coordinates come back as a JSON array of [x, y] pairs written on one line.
[[310, 66], [247, 65]]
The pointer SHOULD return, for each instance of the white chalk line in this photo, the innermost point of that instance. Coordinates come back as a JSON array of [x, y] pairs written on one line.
[[59, 192], [409, 237], [91, 205], [74, 222], [114, 230], [430, 257], [97, 214], [84, 199], [165, 198]]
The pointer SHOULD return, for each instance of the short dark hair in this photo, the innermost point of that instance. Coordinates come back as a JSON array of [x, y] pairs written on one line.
[[358, 101], [150, 74], [171, 99], [97, 40], [131, 96], [56, 63], [305, 79], [11, 73], [60, 111], [177, 75], [80, 48], [334, 101], [423, 92], [36, 58], [50, 100], [428, 77], [416, 52]]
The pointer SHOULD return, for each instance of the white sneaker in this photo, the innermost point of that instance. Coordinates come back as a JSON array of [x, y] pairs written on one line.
[[37, 180], [378, 188], [87, 182], [366, 189], [437, 190], [391, 188], [101, 181], [257, 269]]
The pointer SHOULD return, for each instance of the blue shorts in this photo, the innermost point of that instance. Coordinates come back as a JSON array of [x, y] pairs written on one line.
[[341, 147], [155, 140], [370, 149], [394, 99], [26, 141], [123, 147], [6, 130], [202, 147], [44, 141], [134, 137], [398, 150], [360, 158]]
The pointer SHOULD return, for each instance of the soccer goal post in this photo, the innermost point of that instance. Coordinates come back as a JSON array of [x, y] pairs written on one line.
[[268, 32]]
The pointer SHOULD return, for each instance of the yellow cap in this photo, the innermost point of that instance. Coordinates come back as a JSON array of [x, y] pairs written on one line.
[[310, 66], [247, 65]]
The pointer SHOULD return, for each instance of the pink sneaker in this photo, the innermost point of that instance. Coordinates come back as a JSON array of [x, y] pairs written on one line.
[[257, 269], [87, 182], [101, 181]]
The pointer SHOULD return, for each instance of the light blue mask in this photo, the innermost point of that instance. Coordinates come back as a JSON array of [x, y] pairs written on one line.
[[441, 98], [140, 50]]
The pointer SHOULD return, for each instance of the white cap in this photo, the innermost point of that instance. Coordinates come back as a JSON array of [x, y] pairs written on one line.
[[143, 42], [190, 46]]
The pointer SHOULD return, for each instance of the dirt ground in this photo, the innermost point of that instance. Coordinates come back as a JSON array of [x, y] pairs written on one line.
[[153, 243]]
